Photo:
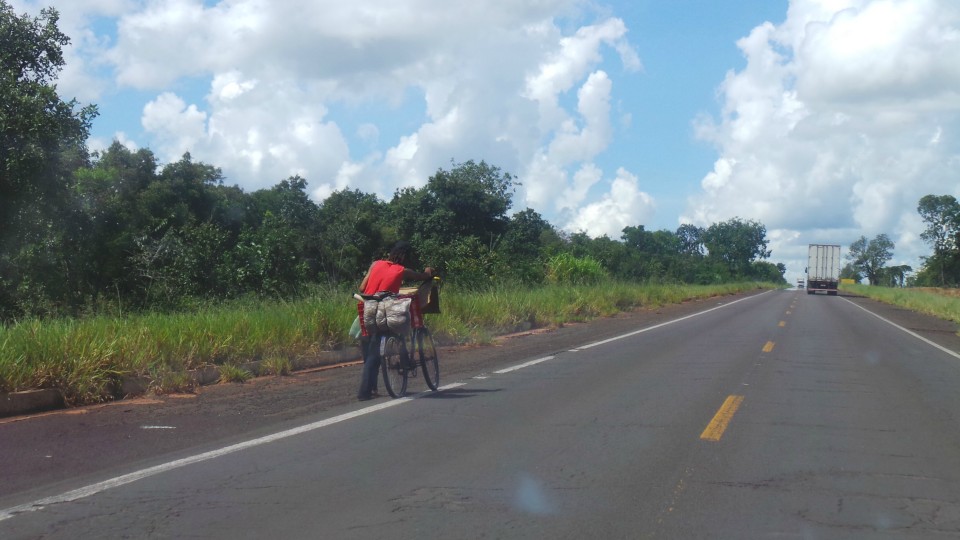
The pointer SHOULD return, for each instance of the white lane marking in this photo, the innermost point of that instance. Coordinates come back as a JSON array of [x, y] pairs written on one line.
[[629, 334], [661, 325], [911, 332], [523, 365], [122, 480]]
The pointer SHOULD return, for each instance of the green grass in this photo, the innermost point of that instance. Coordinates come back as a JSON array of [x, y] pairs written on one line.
[[923, 301], [276, 365], [87, 359], [230, 373]]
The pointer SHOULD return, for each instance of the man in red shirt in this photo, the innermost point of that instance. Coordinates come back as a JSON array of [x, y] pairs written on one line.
[[384, 276]]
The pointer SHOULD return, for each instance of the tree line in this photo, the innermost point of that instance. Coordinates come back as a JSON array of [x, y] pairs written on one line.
[[127, 233], [116, 230], [867, 259]]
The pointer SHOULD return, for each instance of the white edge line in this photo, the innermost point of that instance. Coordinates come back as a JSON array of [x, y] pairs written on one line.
[[629, 334], [911, 332], [122, 480], [523, 365], [654, 327]]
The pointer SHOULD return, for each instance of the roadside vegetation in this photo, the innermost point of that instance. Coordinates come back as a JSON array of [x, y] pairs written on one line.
[[87, 358], [941, 303]]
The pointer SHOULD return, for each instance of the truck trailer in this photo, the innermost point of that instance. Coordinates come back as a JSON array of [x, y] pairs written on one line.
[[823, 269]]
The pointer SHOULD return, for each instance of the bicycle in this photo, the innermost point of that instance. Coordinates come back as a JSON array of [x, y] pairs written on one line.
[[396, 362]]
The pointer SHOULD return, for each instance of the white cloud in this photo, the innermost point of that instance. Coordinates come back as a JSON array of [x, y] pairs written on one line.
[[179, 127], [566, 67], [573, 142], [844, 116], [624, 205]]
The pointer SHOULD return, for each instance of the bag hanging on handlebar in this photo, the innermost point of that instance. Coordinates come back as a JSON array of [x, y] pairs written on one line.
[[433, 300]]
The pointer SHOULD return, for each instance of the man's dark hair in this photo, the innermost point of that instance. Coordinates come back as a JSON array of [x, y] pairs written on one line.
[[400, 252]]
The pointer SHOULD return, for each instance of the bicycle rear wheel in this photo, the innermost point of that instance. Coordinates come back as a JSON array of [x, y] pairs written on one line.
[[391, 364], [427, 355]]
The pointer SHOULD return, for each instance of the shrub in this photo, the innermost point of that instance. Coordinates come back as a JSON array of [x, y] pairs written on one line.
[[565, 269]]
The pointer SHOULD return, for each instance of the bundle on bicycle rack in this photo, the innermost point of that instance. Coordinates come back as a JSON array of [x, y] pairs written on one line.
[[394, 314], [427, 294], [387, 313]]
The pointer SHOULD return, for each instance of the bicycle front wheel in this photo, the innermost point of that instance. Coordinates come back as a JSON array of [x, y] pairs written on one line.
[[392, 365], [427, 355]]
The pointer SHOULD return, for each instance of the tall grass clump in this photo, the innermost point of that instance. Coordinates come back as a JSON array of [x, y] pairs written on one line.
[[565, 269], [925, 301]]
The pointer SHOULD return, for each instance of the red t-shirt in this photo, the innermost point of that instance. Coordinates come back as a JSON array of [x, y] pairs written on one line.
[[384, 276]]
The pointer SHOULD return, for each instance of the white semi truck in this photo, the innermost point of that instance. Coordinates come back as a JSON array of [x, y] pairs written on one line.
[[823, 268]]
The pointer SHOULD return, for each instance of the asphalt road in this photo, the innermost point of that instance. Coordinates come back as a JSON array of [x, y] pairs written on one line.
[[759, 416]]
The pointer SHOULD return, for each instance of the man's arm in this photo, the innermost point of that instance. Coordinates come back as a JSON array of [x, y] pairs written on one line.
[[363, 284], [410, 274]]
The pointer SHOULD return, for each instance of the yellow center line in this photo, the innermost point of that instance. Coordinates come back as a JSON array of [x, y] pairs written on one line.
[[768, 347], [718, 425], [782, 324]]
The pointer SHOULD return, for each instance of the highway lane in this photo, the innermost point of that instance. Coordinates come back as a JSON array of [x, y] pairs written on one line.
[[781, 415]]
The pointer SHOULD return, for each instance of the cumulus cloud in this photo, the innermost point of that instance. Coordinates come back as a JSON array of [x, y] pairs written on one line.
[[844, 116], [622, 206], [574, 139], [178, 126]]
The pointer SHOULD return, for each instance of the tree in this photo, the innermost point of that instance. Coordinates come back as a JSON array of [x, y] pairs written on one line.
[[39, 132], [524, 246], [653, 254], [736, 244], [353, 233], [108, 194], [469, 201], [869, 257], [472, 199], [691, 240], [896, 276], [849, 271], [42, 139], [942, 216], [769, 272]]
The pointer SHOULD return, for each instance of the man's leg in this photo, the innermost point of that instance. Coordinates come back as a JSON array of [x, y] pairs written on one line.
[[371, 366]]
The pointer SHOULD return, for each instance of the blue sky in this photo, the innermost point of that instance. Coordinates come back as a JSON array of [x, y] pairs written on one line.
[[824, 120]]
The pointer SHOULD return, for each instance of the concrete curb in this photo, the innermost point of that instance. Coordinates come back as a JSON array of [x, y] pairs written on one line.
[[47, 399], [30, 401]]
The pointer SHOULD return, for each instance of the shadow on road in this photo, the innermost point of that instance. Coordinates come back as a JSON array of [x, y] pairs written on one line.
[[458, 393]]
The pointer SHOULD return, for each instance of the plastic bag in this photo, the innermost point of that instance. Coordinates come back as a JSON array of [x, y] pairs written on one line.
[[370, 315], [355, 328]]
